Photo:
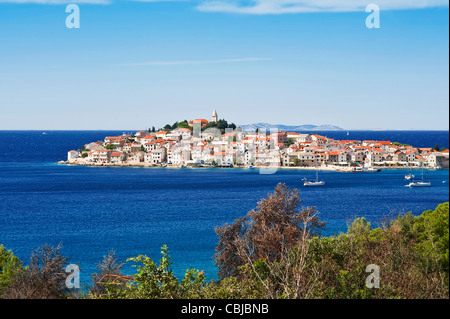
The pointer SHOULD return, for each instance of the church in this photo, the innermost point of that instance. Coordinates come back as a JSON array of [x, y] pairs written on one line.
[[203, 122]]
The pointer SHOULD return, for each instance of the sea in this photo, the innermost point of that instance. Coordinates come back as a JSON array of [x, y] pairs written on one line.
[[135, 211]]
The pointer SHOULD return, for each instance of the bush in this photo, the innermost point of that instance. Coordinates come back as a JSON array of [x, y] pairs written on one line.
[[43, 278], [10, 268], [266, 233]]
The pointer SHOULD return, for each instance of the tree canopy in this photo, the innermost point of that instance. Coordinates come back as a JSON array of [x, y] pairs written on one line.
[[267, 232], [220, 124]]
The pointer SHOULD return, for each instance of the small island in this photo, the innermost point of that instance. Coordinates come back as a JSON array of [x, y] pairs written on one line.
[[216, 143]]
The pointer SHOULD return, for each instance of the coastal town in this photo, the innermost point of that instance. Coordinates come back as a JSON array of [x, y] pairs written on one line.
[[203, 143]]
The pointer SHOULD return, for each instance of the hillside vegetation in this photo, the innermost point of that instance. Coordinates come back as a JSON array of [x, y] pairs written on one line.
[[276, 251]]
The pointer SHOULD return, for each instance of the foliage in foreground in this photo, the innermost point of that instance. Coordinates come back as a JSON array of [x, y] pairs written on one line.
[[274, 252]]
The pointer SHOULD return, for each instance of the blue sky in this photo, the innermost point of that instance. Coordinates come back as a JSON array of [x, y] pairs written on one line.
[[137, 64]]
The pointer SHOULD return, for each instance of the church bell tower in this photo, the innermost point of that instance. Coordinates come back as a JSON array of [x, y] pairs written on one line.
[[214, 118]]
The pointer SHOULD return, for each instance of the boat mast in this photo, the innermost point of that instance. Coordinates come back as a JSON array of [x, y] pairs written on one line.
[[317, 168], [422, 169]]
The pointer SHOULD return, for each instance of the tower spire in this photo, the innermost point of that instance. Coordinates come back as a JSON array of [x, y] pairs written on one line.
[[214, 117]]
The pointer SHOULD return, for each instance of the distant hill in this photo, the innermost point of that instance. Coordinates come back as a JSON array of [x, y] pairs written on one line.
[[281, 127]]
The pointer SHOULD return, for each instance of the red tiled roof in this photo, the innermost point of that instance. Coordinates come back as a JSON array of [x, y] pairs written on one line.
[[198, 121]]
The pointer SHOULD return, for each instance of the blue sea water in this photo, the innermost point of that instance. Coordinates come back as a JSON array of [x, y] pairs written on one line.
[[137, 210]]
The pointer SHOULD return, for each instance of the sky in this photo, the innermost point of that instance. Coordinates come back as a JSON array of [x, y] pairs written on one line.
[[136, 64]]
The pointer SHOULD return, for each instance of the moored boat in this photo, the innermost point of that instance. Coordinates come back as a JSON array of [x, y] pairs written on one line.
[[419, 184], [314, 183], [371, 169]]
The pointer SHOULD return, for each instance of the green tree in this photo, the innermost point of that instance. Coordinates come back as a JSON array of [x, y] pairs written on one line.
[[10, 268], [221, 125], [400, 144], [43, 278], [288, 142], [82, 149], [184, 124], [267, 232], [159, 281], [152, 280], [436, 147], [109, 273], [110, 147], [432, 229]]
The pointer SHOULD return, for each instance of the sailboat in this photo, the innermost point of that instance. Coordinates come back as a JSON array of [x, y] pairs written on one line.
[[420, 183], [315, 182], [410, 175]]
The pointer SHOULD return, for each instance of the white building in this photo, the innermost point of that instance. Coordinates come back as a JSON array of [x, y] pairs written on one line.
[[72, 156], [158, 155]]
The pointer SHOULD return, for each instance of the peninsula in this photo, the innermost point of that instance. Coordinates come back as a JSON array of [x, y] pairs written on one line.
[[215, 143]]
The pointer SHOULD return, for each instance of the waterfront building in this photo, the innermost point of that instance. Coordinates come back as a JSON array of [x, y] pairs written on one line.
[[72, 156], [116, 157]]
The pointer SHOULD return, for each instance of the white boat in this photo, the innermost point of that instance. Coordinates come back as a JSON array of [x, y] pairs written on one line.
[[371, 169], [410, 175], [420, 183], [315, 182]]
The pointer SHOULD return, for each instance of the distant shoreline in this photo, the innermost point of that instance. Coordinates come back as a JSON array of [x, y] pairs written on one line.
[[298, 131], [344, 169]]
